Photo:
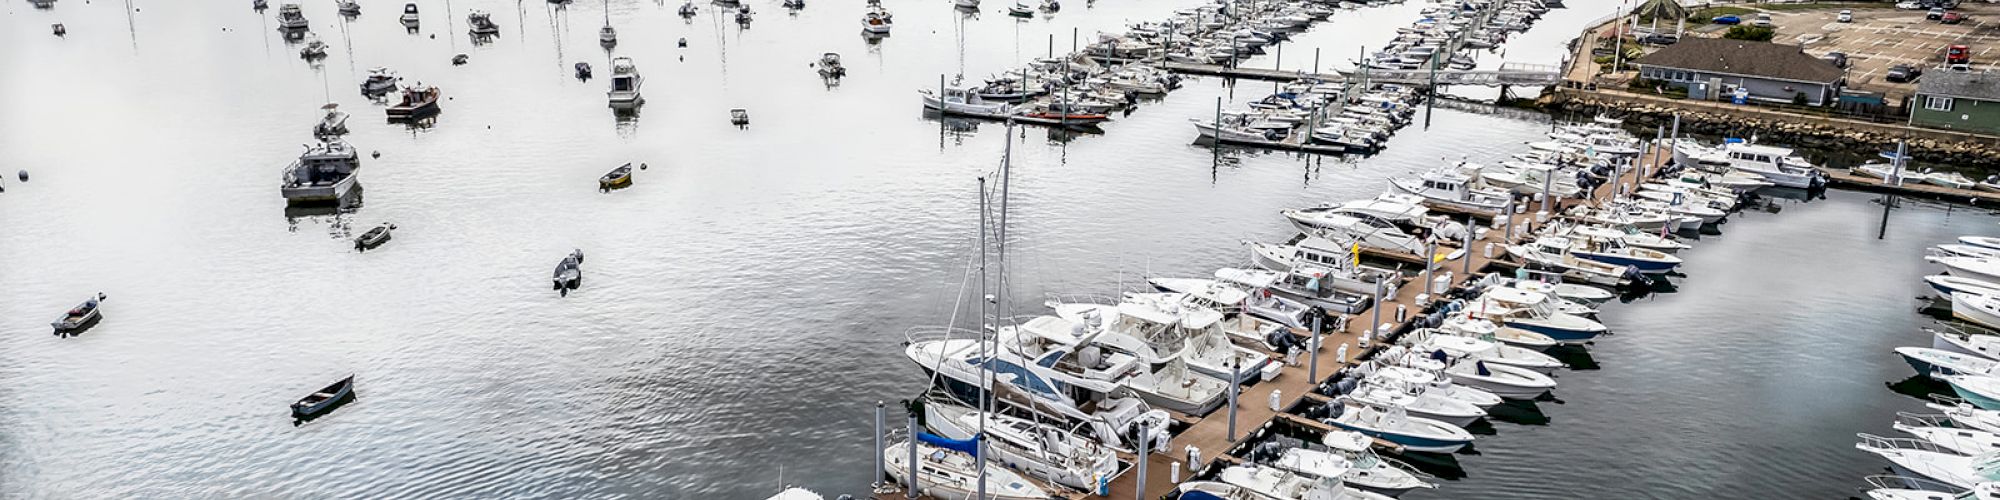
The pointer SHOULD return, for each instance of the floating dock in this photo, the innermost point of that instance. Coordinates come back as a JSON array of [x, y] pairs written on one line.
[[1844, 179]]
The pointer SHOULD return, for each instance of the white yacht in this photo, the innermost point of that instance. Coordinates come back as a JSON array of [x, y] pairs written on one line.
[[956, 364], [1096, 352], [1324, 289], [1335, 223], [1453, 189], [951, 474], [1978, 268], [1256, 299], [1553, 252], [1533, 312], [1775, 164], [1982, 310], [1461, 347], [625, 83], [1921, 459], [1395, 425], [1275, 483]]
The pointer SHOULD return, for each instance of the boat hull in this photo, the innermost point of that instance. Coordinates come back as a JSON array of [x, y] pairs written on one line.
[[1561, 335], [1409, 442]]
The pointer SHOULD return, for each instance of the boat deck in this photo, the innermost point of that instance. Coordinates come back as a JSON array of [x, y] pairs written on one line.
[[1254, 415]]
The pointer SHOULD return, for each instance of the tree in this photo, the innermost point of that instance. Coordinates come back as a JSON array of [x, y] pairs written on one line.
[[1751, 33]]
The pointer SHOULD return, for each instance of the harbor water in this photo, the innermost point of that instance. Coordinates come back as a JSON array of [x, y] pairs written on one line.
[[745, 302]]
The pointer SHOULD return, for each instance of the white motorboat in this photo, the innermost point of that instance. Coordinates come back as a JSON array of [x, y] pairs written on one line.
[[1432, 383], [1553, 253], [1923, 460], [1884, 171], [797, 493], [1313, 287], [1414, 400], [1937, 363], [877, 21], [323, 173], [1964, 250], [1963, 414], [1943, 285], [481, 23], [687, 9], [1625, 216], [1465, 325], [1775, 164], [1963, 342], [1562, 305], [1626, 235], [1020, 10], [1101, 353], [625, 83], [1988, 242], [1981, 390], [1460, 347], [290, 18], [1982, 269], [1508, 382], [1952, 180], [955, 364], [1339, 265], [1893, 487], [1039, 450], [1939, 430], [1581, 294], [1370, 471], [1533, 312], [1453, 189], [410, 17], [1615, 252], [1279, 484], [960, 101], [1331, 224], [1982, 310], [1257, 302], [965, 4], [1529, 179], [1394, 425], [380, 82], [1148, 329], [1212, 353], [952, 474]]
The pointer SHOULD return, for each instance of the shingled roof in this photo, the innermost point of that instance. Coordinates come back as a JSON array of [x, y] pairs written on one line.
[[1981, 85], [1745, 58]]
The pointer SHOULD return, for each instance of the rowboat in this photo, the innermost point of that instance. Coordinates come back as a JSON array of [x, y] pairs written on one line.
[[373, 238], [79, 317], [617, 177], [318, 403]]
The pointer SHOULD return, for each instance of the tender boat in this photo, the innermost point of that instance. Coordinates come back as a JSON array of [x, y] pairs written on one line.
[[481, 23], [419, 101], [325, 172], [1937, 363], [625, 82], [1963, 342], [79, 317], [569, 273], [948, 471], [410, 17], [1394, 425], [380, 82], [318, 403], [617, 177], [1982, 310], [373, 238]]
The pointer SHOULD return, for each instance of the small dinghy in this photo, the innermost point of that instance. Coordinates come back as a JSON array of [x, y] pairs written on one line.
[[583, 71], [79, 317], [373, 238], [740, 117], [616, 178], [569, 273], [318, 403]]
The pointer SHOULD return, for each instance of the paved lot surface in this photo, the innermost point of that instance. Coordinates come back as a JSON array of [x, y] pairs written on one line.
[[1881, 37]]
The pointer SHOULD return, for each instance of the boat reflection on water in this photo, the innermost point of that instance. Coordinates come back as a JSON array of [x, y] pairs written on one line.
[[625, 120], [330, 209], [1576, 357], [1518, 412], [1922, 387]]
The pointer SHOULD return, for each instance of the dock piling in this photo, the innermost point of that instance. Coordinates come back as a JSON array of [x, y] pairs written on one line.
[[1312, 367], [910, 484], [1468, 246], [1235, 375], [1145, 448], [881, 415]]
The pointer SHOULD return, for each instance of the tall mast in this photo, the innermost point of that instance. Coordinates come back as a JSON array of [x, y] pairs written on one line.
[[985, 363]]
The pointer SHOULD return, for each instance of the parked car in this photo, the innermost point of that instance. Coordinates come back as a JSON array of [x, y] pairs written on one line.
[[1958, 54], [1846, 16], [1726, 20], [1910, 5], [1839, 59], [1660, 38], [1903, 73], [1951, 18], [1959, 68], [1936, 14], [1763, 21]]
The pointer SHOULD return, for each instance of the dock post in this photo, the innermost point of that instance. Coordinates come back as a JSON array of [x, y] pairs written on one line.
[[881, 415], [1278, 64], [1375, 308], [1468, 242], [910, 484], [1675, 137], [1235, 374], [1145, 448], [1315, 62], [1430, 262], [1509, 237], [1312, 368]]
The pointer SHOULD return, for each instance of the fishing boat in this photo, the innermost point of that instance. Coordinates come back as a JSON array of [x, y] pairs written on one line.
[[481, 23], [290, 18], [325, 172], [1506, 381], [1943, 285], [877, 21], [1963, 414], [1981, 390], [349, 8], [1580, 294], [687, 9], [1395, 425], [625, 83], [607, 36], [1412, 399], [569, 273], [410, 17], [1532, 311], [319, 402], [333, 124], [373, 238], [79, 317], [1937, 363], [1370, 471], [1921, 459], [379, 82], [1987, 242], [830, 68], [617, 177], [314, 50], [1982, 310], [418, 101]]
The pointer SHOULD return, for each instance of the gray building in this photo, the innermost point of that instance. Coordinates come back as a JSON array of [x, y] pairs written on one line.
[[1719, 69]]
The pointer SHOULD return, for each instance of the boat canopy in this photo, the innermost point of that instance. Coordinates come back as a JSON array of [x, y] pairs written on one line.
[[967, 446]]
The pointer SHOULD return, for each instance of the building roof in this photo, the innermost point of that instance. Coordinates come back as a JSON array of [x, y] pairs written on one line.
[[1744, 58], [1980, 85]]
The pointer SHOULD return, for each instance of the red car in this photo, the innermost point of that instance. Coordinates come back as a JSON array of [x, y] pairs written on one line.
[[1957, 54], [1951, 18]]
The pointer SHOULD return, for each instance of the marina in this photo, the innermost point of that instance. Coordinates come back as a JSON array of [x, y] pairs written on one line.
[[759, 294]]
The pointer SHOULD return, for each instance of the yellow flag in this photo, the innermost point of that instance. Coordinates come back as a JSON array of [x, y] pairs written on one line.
[[1356, 253]]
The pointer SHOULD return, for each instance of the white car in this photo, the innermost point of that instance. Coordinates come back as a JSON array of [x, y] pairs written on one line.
[[1910, 6], [1846, 16]]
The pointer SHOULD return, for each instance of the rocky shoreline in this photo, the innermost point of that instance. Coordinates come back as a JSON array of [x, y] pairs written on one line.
[[1809, 134]]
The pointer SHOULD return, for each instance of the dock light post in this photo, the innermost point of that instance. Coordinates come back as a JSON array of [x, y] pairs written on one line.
[[1468, 246], [1145, 448], [880, 416], [1376, 307], [914, 469], [1312, 368]]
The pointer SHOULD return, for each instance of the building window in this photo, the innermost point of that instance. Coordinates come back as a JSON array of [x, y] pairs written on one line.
[[1935, 103]]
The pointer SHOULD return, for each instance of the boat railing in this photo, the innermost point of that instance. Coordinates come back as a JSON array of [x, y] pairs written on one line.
[[1923, 420], [1950, 329], [1951, 401], [938, 332], [1891, 481], [1888, 443], [1054, 298]]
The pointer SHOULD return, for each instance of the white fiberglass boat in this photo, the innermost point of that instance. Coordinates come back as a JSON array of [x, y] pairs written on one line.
[[1963, 342], [951, 474], [1040, 450], [1970, 267], [1921, 459], [1937, 363], [1275, 483], [1982, 310], [1394, 425]]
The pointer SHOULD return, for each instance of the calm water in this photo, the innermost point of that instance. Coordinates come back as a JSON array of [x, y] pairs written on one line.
[[747, 297]]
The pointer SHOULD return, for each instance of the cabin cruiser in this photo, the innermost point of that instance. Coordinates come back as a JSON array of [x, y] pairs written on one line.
[[290, 18], [1775, 164], [949, 471], [418, 101], [325, 172], [1340, 263], [1921, 459], [1340, 223], [1615, 252], [625, 83], [1040, 450], [1159, 327], [1453, 189], [1095, 352], [314, 50], [1533, 312], [1319, 288], [1258, 301], [1395, 425], [1958, 340], [1469, 348]]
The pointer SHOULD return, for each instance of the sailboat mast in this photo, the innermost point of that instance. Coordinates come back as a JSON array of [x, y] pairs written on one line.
[[986, 363]]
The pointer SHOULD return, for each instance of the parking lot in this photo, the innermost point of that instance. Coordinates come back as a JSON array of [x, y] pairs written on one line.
[[1879, 38]]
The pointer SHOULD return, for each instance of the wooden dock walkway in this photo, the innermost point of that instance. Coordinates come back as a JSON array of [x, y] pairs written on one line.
[[1845, 179], [1211, 434]]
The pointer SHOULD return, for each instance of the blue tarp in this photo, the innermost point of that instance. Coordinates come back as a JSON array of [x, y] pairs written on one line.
[[968, 446]]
